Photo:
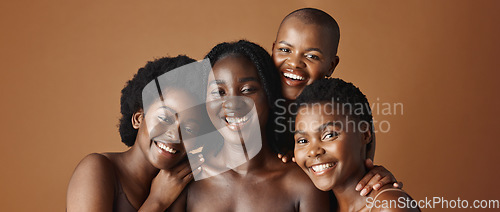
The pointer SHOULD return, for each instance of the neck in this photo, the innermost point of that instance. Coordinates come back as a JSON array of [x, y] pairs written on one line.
[[348, 198], [257, 153], [138, 170]]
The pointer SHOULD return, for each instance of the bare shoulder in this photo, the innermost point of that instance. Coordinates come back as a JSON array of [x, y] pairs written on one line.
[[95, 165], [92, 185], [294, 175], [310, 197], [392, 200]]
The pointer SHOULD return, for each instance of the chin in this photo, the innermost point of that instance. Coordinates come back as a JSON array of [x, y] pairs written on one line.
[[291, 94], [322, 185], [230, 136]]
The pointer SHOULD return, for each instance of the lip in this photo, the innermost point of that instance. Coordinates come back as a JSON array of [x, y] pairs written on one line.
[[327, 167], [239, 121], [286, 75], [178, 150]]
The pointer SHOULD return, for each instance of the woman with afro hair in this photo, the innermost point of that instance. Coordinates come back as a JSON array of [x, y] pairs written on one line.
[[151, 174]]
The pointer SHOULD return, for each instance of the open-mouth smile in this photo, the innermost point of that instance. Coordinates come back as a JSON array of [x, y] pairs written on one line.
[[235, 122], [165, 148], [293, 78], [320, 169]]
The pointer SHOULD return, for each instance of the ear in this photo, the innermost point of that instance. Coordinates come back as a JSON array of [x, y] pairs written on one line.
[[272, 49], [367, 134], [137, 119], [335, 62]]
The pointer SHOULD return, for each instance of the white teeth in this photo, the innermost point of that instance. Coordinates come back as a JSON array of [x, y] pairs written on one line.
[[236, 120], [321, 167], [293, 76], [166, 148]]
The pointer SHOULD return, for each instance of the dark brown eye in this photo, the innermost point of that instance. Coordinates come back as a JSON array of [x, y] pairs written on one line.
[[311, 56], [301, 141], [330, 135], [284, 50], [166, 119], [248, 90], [218, 92]]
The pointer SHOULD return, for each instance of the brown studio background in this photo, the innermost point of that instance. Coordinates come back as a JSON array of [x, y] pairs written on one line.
[[65, 62]]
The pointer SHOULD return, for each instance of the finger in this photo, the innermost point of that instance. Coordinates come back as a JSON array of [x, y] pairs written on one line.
[[284, 159], [364, 181], [293, 159], [196, 163], [383, 173], [196, 172], [384, 181], [185, 171], [187, 179], [398, 185], [179, 167], [369, 186], [369, 163]]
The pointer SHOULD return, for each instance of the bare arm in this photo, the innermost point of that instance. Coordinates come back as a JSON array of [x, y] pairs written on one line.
[[180, 203], [393, 196], [91, 187]]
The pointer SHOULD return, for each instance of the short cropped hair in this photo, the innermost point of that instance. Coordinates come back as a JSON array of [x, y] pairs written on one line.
[[320, 18], [342, 93]]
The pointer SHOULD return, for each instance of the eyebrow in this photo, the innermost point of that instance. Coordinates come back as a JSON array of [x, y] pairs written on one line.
[[286, 43], [321, 127], [247, 79], [299, 132], [218, 82], [314, 49], [168, 108], [325, 125], [308, 49]]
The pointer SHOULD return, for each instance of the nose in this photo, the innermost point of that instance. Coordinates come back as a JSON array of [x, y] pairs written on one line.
[[295, 61], [173, 133], [315, 150], [233, 103]]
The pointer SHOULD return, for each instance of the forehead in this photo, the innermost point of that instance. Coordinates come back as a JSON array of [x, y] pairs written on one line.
[[233, 66], [315, 114], [176, 99], [295, 30]]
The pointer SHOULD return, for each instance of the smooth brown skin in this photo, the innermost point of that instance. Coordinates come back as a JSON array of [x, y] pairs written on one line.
[[150, 181], [264, 182], [307, 50], [321, 140]]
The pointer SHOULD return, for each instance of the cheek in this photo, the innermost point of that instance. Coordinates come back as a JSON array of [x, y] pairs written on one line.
[[213, 107], [300, 156], [278, 60], [348, 151], [318, 71]]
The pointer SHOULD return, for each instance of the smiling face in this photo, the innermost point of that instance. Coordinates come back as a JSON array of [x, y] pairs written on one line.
[[327, 149], [164, 127], [302, 53], [234, 93]]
